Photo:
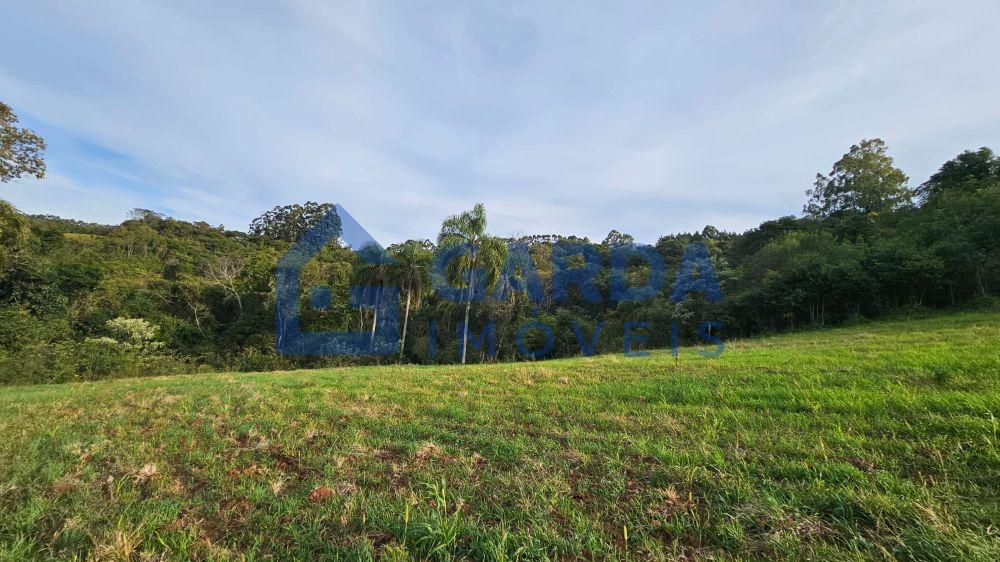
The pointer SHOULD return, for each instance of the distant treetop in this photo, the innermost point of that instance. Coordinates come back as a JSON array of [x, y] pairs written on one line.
[[291, 222]]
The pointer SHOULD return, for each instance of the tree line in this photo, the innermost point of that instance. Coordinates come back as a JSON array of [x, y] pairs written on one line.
[[155, 294]]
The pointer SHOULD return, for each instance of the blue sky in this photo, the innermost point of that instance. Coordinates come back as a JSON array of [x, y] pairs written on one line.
[[563, 117]]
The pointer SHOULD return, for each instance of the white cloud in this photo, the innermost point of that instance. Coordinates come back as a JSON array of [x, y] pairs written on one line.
[[649, 118]]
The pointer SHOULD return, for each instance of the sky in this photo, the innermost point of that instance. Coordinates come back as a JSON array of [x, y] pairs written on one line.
[[562, 117]]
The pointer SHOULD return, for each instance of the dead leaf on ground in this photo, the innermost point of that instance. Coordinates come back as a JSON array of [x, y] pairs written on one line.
[[321, 494]]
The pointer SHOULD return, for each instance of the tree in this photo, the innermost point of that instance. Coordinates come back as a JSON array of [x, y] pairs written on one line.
[[967, 171], [469, 228], [863, 181], [190, 294], [291, 222], [615, 239], [411, 261], [14, 236], [905, 271], [371, 271], [146, 216], [13, 227], [224, 271], [963, 229], [22, 152], [135, 334]]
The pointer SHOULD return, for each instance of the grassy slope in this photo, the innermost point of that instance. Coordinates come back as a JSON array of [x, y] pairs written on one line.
[[878, 440]]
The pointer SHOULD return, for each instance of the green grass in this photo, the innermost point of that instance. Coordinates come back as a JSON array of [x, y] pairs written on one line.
[[873, 441]]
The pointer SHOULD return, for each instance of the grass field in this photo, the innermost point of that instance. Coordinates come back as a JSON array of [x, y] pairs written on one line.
[[872, 441]]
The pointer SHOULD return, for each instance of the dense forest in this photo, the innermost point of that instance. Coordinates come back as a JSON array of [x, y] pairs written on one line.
[[157, 295]]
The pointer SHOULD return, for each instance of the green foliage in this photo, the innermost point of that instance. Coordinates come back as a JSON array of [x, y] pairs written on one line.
[[38, 348], [864, 181], [863, 253], [615, 238], [410, 271], [13, 227], [22, 152], [968, 171], [135, 334], [291, 222], [486, 254]]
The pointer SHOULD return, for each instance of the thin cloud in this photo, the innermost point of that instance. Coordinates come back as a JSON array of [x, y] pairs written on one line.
[[648, 118]]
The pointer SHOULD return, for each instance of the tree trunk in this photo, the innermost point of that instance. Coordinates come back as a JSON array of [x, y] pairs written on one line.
[[374, 321], [465, 326], [468, 305], [406, 320], [197, 321], [239, 301]]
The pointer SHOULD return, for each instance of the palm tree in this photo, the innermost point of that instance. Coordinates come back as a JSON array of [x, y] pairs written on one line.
[[469, 228], [371, 271], [508, 290], [411, 262]]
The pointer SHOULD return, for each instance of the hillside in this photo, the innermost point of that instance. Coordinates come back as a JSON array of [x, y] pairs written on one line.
[[873, 441], [84, 302]]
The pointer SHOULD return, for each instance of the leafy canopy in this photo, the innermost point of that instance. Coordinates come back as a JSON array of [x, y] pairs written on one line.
[[863, 181], [22, 152], [291, 222], [967, 172]]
